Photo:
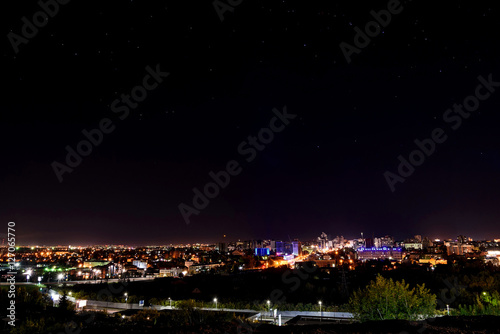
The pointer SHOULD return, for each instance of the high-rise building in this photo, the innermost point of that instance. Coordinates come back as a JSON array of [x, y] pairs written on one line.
[[296, 248], [369, 243], [257, 244], [386, 241], [338, 242], [284, 248], [426, 243], [323, 241], [222, 247], [272, 246]]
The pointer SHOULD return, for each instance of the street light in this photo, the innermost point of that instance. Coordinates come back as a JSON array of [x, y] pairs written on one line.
[[269, 307], [126, 297], [320, 314], [60, 277], [170, 302], [215, 301]]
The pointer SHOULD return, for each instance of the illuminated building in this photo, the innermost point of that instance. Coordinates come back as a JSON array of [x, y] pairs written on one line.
[[458, 248], [261, 251], [171, 272], [493, 252], [140, 264], [412, 245], [373, 253], [386, 241], [432, 261], [323, 241], [296, 248], [284, 248]]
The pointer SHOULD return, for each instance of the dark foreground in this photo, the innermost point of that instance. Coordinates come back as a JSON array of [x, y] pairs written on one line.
[[477, 324]]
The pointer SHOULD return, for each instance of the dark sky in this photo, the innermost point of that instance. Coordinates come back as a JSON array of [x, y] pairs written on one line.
[[323, 172]]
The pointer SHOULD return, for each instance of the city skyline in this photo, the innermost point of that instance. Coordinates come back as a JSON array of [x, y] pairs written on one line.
[[229, 240], [180, 123]]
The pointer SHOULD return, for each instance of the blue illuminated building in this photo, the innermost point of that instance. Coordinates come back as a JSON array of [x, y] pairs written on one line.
[[261, 251], [374, 253], [288, 248]]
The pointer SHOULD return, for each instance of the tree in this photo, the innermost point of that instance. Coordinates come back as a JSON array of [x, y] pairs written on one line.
[[64, 303], [485, 304], [385, 299]]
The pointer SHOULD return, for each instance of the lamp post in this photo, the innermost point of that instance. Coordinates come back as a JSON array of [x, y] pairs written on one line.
[[215, 301], [320, 313], [126, 297], [170, 300], [448, 309], [269, 307]]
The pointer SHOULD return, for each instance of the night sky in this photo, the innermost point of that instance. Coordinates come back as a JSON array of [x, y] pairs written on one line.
[[323, 172]]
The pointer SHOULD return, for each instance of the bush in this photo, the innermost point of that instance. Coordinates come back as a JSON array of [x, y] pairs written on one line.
[[385, 299]]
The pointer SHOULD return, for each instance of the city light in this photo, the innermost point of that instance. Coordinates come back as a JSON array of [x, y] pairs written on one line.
[[88, 265], [28, 275]]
